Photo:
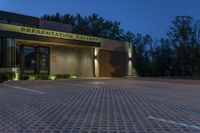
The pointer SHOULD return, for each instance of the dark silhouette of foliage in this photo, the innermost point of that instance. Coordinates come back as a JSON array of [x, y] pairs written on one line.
[[176, 55], [93, 25], [183, 37]]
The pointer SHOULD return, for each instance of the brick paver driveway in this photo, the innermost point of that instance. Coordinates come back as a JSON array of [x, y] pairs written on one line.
[[103, 105]]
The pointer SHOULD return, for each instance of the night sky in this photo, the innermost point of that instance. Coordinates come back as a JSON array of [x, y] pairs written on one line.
[[144, 16]]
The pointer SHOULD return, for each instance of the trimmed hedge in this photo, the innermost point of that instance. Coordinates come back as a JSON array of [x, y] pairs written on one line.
[[8, 75], [26, 76]]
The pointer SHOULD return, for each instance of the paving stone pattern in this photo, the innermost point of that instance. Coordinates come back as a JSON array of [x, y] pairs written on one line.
[[104, 105]]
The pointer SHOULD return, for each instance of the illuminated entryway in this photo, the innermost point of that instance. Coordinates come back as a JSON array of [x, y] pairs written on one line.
[[32, 58], [43, 57], [29, 59]]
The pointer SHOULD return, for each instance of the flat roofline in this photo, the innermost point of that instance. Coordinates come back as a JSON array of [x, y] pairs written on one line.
[[46, 43], [19, 14], [48, 33], [61, 23], [29, 37]]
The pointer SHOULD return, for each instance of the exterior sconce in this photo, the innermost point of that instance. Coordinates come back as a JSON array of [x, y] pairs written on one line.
[[96, 62], [95, 56]]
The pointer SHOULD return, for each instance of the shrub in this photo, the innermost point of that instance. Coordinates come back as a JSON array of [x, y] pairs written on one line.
[[59, 76], [52, 77], [23, 76], [70, 76], [73, 77], [1, 77], [34, 76], [26, 76], [8, 75], [44, 76], [67, 75]]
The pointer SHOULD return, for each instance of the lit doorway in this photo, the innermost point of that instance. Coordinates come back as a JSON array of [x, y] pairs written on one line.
[[29, 59]]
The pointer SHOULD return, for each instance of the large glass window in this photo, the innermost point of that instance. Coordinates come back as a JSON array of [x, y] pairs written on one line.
[[18, 56], [1, 54], [3, 21], [44, 60], [29, 59], [10, 52], [34, 59]]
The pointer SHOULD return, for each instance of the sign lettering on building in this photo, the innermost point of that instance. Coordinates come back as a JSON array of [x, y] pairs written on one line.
[[48, 33]]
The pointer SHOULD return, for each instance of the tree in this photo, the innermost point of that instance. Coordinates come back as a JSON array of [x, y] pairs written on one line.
[[164, 59], [183, 37], [92, 25], [176, 55]]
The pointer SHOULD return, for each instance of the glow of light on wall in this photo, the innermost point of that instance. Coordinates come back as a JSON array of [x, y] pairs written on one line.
[[16, 73], [52, 77], [130, 63], [129, 53], [96, 67], [95, 52], [129, 67], [96, 63], [16, 77]]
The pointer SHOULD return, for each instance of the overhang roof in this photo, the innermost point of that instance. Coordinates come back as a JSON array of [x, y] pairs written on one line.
[[29, 32]]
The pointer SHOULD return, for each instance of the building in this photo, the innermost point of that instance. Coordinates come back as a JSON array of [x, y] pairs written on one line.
[[40, 46]]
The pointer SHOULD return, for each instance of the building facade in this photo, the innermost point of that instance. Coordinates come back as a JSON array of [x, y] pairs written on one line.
[[40, 46]]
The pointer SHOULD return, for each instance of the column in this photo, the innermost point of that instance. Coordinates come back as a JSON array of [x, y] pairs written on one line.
[[96, 62], [130, 65]]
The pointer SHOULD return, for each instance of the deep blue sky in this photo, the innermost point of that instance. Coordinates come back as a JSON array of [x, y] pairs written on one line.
[[144, 16]]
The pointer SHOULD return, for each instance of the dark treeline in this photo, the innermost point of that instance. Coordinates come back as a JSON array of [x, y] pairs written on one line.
[[178, 54], [91, 25]]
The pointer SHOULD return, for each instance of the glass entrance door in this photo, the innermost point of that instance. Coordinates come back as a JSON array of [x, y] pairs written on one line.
[[43, 60], [29, 59], [33, 59]]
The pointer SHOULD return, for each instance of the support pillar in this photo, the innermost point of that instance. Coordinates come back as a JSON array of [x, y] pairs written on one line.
[[130, 64], [96, 62]]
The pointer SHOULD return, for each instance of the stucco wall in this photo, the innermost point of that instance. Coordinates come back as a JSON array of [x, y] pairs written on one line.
[[51, 25], [86, 62], [71, 60], [114, 45]]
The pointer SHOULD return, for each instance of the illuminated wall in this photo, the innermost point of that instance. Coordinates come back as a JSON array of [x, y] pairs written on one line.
[[71, 60], [130, 65], [96, 62], [86, 62]]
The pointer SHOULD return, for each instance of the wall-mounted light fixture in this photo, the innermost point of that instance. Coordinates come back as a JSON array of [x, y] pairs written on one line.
[[130, 58], [129, 53], [95, 56], [96, 62]]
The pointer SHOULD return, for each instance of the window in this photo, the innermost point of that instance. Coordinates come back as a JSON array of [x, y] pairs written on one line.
[[10, 52], [34, 59], [44, 60], [18, 55], [29, 59], [1, 54], [3, 21]]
